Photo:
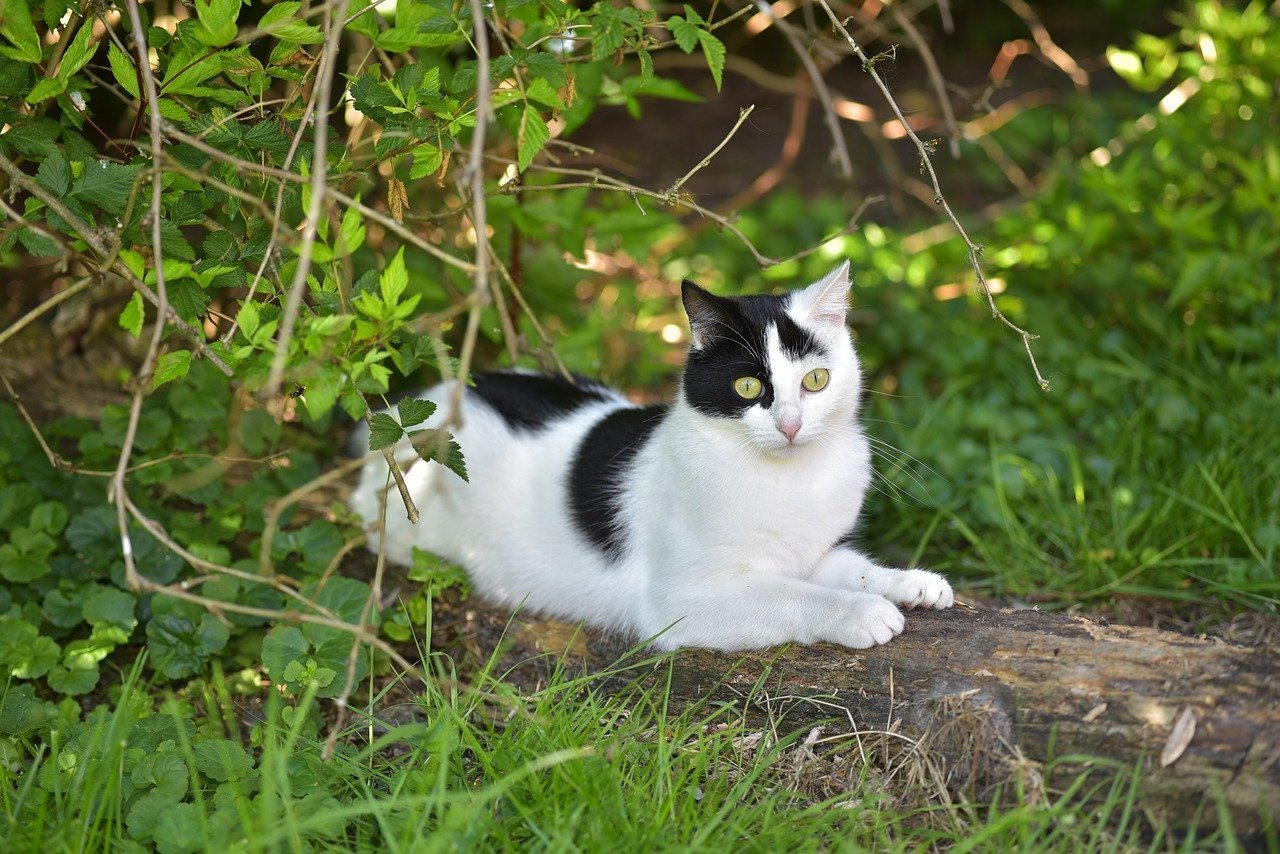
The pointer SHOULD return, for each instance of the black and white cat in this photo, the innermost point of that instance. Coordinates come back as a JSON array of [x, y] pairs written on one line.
[[724, 520]]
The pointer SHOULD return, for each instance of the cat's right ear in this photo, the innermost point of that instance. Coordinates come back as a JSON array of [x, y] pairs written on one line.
[[707, 317]]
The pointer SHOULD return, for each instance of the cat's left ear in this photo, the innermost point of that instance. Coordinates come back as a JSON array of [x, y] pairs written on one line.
[[826, 300]]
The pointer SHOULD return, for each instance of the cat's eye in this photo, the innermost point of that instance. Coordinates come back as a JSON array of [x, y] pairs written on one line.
[[816, 380], [748, 388]]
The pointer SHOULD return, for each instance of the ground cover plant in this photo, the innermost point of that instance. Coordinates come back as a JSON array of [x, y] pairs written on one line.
[[326, 204]]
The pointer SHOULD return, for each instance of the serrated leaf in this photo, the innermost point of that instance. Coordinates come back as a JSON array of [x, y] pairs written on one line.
[[217, 21], [123, 70], [279, 12], [322, 391], [351, 233], [534, 134], [646, 65], [17, 26], [684, 32], [248, 318], [54, 174], [48, 88], [133, 315], [78, 53], [383, 431], [426, 159], [713, 50], [439, 446], [298, 32], [394, 279], [171, 366], [105, 185], [414, 412], [541, 91]]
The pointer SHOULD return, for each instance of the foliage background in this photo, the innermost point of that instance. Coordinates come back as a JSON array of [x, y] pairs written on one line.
[[1125, 196]]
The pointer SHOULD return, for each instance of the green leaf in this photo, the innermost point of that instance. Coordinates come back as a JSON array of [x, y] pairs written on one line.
[[79, 52], [279, 12], [282, 645], [217, 21], [25, 653], [178, 829], [298, 32], [123, 70], [394, 279], [22, 567], [46, 89], [20, 712], [322, 391], [17, 26], [171, 366], [111, 607], [54, 174], [383, 431], [105, 185], [426, 159], [73, 681], [249, 319], [684, 32], [533, 136], [541, 91], [132, 316], [49, 516], [414, 412], [222, 760], [180, 644], [351, 233], [439, 446], [713, 50]]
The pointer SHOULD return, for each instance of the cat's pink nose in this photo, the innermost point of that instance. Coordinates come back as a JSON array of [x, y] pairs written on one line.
[[789, 430]]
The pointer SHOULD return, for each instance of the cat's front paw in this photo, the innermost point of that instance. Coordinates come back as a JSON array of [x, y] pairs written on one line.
[[919, 588], [873, 620]]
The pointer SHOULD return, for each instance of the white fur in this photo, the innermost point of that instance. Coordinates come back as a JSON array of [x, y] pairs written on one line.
[[730, 525]]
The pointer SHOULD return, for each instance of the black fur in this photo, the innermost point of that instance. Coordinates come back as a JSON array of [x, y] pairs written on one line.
[[732, 332], [530, 402], [599, 470]]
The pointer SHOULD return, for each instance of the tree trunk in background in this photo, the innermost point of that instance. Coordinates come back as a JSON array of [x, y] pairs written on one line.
[[998, 696]]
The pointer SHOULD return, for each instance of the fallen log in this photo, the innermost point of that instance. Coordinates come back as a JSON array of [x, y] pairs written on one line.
[[996, 693]]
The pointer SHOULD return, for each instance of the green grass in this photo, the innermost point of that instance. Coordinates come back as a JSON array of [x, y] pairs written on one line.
[[485, 767]]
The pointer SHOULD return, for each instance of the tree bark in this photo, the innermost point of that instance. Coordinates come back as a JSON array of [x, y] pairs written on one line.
[[994, 696]]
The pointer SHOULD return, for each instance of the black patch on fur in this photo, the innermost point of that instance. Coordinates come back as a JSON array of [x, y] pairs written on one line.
[[733, 334], [599, 470], [530, 402]]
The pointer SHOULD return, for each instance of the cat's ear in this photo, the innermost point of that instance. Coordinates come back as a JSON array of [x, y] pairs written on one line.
[[826, 300], [707, 315]]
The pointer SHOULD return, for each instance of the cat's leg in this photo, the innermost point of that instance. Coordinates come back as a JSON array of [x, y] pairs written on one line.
[[751, 611], [846, 569]]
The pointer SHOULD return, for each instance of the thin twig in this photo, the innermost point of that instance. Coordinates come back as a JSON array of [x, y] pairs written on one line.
[[479, 219], [935, 77], [319, 188], [674, 190], [80, 286], [839, 147], [55, 459], [116, 492], [105, 244], [973, 249]]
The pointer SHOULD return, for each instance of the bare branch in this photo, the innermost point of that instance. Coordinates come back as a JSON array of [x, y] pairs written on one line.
[[674, 190], [319, 189], [973, 249]]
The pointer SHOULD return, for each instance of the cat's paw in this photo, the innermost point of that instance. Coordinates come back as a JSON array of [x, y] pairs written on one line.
[[919, 588], [873, 620]]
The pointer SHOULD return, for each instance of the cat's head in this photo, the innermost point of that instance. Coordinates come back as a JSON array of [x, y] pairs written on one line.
[[781, 371]]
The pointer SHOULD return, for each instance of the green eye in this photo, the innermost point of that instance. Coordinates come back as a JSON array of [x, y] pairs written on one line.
[[815, 380], [748, 388]]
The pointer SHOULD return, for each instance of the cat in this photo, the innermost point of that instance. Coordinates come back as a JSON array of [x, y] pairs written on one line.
[[724, 520]]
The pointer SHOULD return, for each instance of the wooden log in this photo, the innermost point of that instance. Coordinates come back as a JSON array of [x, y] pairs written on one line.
[[996, 694]]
